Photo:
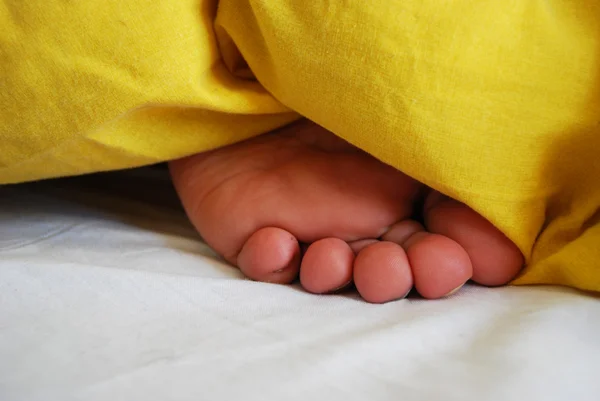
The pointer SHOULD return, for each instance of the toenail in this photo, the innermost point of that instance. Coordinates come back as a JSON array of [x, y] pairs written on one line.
[[454, 291], [341, 287], [403, 296]]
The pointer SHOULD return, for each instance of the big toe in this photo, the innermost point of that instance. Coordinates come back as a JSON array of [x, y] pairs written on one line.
[[496, 260]]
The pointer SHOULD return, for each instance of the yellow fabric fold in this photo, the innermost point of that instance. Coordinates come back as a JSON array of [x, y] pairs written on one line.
[[495, 103], [92, 86]]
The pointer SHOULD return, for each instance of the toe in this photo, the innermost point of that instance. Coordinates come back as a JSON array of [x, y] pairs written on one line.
[[326, 266], [270, 255], [496, 260], [382, 272], [439, 265], [400, 232], [361, 244]]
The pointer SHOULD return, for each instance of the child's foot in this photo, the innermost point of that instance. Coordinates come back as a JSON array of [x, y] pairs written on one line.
[[301, 201]]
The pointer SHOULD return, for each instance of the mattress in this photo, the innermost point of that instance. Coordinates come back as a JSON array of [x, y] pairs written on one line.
[[107, 293]]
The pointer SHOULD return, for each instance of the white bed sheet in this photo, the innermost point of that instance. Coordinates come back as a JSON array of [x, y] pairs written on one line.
[[113, 297]]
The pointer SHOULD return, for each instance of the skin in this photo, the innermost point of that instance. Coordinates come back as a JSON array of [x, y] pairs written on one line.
[[301, 202]]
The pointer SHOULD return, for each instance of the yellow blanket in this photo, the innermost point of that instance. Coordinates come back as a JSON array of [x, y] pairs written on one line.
[[496, 103]]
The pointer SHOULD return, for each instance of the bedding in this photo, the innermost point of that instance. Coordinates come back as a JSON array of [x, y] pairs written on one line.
[[496, 103], [107, 293]]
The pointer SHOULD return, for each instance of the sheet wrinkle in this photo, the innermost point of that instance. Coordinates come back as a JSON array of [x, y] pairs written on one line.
[[57, 231], [26, 258]]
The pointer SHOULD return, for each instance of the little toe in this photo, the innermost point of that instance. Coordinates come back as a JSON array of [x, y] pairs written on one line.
[[382, 272], [440, 266], [496, 260], [270, 255], [326, 266]]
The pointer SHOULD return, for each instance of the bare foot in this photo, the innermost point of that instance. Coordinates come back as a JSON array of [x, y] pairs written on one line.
[[302, 202]]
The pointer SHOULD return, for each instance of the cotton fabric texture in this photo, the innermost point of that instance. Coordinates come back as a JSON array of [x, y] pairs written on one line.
[[495, 103]]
